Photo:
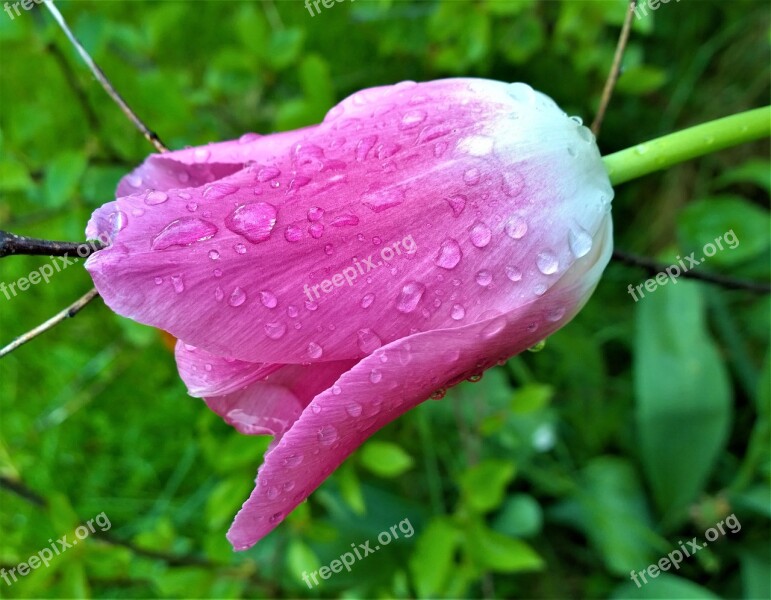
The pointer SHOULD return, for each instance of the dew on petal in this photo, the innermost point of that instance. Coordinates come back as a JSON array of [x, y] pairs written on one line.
[[480, 235], [513, 273], [155, 197], [353, 409], [472, 176], [315, 213], [218, 191], [458, 312], [484, 278], [368, 341], [411, 294], [375, 376], [314, 350], [240, 248], [276, 330], [547, 262], [383, 199], [248, 138], [292, 311], [364, 146], [327, 435], [412, 118], [214, 255], [237, 297], [449, 254], [476, 145], [345, 220], [183, 232], [268, 299], [580, 242], [158, 280], [293, 233], [219, 294], [516, 227], [253, 221], [367, 300], [267, 174], [555, 314], [457, 204], [316, 230]]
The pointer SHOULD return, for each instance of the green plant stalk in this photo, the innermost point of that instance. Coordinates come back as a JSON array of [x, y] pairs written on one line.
[[684, 145]]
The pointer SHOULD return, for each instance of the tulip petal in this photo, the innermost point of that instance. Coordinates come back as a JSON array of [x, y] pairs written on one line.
[[482, 194], [391, 381]]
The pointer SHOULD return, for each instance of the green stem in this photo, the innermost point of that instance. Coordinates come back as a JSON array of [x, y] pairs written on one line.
[[675, 148]]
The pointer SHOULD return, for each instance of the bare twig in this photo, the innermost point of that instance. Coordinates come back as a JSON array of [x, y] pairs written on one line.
[[12, 244], [68, 312], [615, 68], [654, 267], [151, 136]]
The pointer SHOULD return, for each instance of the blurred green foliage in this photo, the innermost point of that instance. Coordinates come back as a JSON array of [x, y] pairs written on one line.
[[639, 425]]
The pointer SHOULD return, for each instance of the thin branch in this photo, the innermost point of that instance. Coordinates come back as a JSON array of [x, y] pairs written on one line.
[[12, 244], [67, 313], [151, 136], [654, 267], [615, 69]]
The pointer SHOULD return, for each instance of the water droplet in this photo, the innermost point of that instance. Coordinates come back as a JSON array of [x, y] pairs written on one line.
[[387, 150], [134, 180], [438, 394], [156, 197], [585, 134], [293, 460], [275, 331], [364, 146], [383, 199], [314, 350], [292, 311], [218, 272], [513, 273], [375, 376], [218, 191], [472, 176], [253, 221], [476, 145], [547, 262], [184, 232], [293, 233], [480, 234], [457, 204], [311, 306], [316, 408], [540, 289], [218, 294], [179, 285], [158, 280], [268, 299], [345, 220], [353, 409], [412, 118], [439, 149], [327, 435], [449, 254], [513, 184], [316, 230], [516, 228], [267, 174], [368, 341], [237, 297], [577, 120], [367, 300], [458, 312], [201, 154], [555, 314], [580, 242], [272, 493], [538, 347], [475, 378], [484, 278], [214, 255], [275, 517], [248, 138], [315, 213], [240, 248], [411, 294], [192, 206], [137, 212], [494, 327], [329, 249]]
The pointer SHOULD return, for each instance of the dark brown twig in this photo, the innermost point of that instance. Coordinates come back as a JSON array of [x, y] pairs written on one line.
[[653, 267], [615, 69], [12, 244], [67, 313]]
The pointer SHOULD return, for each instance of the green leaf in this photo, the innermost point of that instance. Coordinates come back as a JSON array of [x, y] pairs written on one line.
[[285, 47], [484, 484], [730, 222], [13, 176], [300, 558], [521, 516], [641, 80], [531, 398], [496, 552], [433, 559], [385, 459], [756, 172], [62, 177], [663, 585], [682, 392]]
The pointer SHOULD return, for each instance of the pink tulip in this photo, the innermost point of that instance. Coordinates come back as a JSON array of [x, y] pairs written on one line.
[[324, 281]]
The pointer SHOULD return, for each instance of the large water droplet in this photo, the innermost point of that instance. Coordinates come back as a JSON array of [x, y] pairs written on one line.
[[547, 262], [293, 460], [411, 294], [314, 350], [156, 197], [555, 314], [315, 213], [368, 341], [449, 254], [316, 230], [218, 191], [412, 118], [353, 409], [364, 146], [214, 255], [375, 376], [580, 242], [237, 297], [458, 312], [267, 174], [268, 299], [480, 234], [346, 220], [513, 273], [275, 331], [484, 278], [457, 204], [516, 227], [184, 232], [293, 233], [248, 138], [383, 199], [327, 435], [253, 221]]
